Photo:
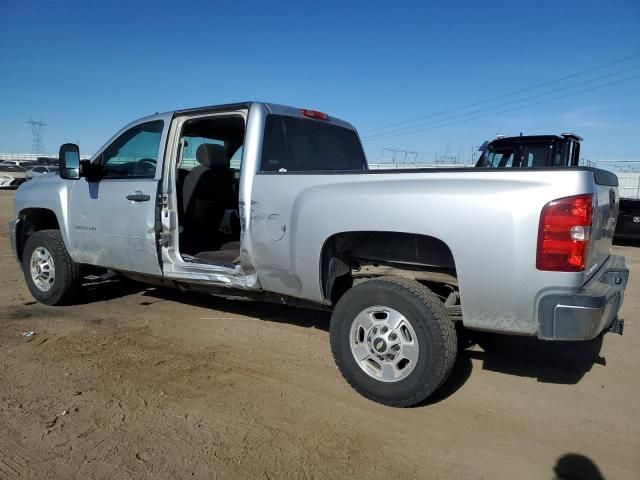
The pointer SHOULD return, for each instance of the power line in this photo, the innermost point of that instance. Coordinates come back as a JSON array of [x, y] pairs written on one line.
[[520, 107], [533, 87], [549, 92]]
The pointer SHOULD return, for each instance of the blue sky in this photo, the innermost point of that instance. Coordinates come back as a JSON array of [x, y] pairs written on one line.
[[87, 68]]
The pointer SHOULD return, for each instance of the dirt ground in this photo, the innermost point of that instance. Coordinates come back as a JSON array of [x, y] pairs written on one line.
[[145, 383]]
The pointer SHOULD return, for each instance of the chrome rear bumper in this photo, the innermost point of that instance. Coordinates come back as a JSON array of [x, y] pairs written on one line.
[[584, 315]]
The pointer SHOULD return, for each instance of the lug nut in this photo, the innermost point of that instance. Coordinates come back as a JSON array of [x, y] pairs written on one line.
[[393, 336], [384, 329]]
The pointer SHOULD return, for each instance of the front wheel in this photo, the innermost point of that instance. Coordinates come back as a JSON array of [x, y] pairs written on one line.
[[393, 341], [52, 276]]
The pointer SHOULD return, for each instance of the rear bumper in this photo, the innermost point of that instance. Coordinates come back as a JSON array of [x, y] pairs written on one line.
[[584, 315]]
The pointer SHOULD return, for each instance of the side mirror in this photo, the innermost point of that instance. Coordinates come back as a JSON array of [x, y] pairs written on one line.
[[69, 161]]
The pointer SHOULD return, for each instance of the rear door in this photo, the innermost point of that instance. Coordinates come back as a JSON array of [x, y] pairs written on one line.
[[112, 221], [294, 149]]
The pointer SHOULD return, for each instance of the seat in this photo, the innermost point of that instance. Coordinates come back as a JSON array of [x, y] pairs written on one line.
[[207, 193]]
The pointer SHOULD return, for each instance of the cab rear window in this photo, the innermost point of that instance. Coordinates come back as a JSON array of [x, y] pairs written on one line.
[[303, 145]]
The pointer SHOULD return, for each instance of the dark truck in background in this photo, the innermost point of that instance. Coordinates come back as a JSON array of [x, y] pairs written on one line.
[[531, 151], [628, 226]]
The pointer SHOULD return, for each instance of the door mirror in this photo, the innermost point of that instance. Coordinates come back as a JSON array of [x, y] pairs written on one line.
[[69, 161]]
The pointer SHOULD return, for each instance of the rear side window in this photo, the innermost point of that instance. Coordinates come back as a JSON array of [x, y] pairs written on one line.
[[302, 145], [536, 156], [499, 159]]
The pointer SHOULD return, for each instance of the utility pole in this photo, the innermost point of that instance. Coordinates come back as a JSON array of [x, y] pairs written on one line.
[[37, 131]]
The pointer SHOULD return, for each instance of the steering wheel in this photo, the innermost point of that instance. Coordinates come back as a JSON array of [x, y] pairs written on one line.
[[145, 167]]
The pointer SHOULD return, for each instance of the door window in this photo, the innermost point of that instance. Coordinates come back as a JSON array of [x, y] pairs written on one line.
[[134, 154]]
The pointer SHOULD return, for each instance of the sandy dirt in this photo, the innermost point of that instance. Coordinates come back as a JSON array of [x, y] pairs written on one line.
[[146, 383]]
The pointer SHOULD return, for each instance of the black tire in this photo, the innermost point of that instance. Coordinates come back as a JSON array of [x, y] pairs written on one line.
[[436, 335], [67, 279]]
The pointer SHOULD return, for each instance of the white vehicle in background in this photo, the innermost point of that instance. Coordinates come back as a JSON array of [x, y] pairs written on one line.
[[11, 175], [17, 163], [40, 170], [6, 180]]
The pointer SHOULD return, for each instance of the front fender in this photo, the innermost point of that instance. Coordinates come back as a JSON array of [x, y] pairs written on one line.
[[46, 192]]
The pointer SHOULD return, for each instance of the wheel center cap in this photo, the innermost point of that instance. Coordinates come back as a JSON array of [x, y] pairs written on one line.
[[379, 345]]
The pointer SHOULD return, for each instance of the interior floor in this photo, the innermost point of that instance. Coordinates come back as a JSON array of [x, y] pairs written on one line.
[[228, 254], [207, 184]]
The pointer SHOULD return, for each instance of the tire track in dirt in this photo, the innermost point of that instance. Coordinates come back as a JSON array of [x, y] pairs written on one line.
[[17, 461]]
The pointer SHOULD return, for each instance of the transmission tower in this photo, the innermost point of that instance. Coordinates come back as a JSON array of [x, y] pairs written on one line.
[[37, 130]]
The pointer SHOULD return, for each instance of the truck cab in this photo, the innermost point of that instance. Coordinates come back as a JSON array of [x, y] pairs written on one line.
[[531, 151], [172, 196]]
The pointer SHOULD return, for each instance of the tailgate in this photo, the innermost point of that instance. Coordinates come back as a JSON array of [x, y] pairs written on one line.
[[606, 204]]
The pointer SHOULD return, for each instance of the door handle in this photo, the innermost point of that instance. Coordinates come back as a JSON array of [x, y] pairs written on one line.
[[138, 196]]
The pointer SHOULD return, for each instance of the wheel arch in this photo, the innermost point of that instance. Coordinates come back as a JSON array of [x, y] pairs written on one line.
[[31, 221], [398, 251]]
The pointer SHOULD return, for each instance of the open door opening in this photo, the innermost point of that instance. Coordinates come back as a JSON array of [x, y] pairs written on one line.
[[207, 188]]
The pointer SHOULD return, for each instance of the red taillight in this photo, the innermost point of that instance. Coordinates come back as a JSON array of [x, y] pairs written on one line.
[[314, 114], [563, 234]]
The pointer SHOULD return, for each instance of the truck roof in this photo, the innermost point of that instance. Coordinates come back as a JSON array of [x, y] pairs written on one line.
[[273, 108], [536, 138]]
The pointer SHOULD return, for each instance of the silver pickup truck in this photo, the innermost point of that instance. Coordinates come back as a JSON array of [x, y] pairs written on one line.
[[277, 203]]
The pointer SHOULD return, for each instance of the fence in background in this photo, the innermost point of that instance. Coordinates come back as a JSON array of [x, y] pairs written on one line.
[[629, 185], [389, 165], [31, 157]]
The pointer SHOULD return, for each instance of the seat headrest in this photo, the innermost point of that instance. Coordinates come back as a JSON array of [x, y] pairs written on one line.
[[212, 155]]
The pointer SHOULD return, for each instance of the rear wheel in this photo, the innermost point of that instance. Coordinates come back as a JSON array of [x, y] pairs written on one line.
[[52, 277], [393, 341]]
